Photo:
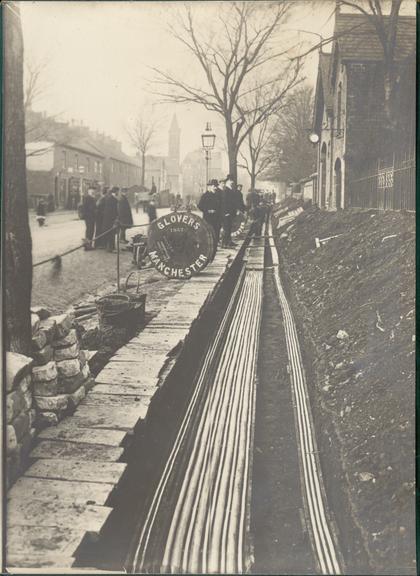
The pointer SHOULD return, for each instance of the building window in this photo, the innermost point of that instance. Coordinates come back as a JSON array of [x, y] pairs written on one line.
[[112, 165], [100, 167], [64, 159], [339, 112], [87, 164], [76, 158]]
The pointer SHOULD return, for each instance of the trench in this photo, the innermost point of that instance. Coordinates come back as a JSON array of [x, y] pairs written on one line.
[[149, 447]]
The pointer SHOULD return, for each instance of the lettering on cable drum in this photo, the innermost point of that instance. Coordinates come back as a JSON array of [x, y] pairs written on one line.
[[180, 244], [238, 225]]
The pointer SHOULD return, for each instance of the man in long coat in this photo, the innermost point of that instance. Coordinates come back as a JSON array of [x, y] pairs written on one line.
[[110, 218], [211, 206], [89, 212], [231, 203], [99, 219], [125, 216]]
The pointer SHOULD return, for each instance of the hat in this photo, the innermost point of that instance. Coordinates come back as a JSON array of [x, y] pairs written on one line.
[[213, 182], [229, 177]]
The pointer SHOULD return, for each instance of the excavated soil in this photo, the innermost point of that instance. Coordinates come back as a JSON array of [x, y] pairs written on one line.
[[354, 300]]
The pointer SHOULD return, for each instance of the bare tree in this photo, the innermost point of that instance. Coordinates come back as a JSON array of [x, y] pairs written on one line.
[[141, 134], [292, 156], [245, 49], [35, 81], [257, 157], [18, 244]]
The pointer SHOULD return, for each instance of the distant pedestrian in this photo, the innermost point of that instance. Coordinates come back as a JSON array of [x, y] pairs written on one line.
[[41, 210], [125, 216], [88, 214], [210, 205], [110, 218], [151, 211], [51, 203]]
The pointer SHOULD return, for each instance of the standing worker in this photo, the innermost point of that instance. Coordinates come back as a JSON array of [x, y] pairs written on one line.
[[88, 215], [151, 211], [110, 218], [211, 206], [99, 219], [231, 202], [125, 216]]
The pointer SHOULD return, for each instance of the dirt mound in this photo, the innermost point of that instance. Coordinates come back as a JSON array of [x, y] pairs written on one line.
[[354, 297]]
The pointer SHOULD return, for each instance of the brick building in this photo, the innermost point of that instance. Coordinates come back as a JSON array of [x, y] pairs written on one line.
[[349, 114], [66, 168]]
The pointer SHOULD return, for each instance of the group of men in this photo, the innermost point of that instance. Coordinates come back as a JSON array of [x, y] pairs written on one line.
[[104, 215], [220, 204]]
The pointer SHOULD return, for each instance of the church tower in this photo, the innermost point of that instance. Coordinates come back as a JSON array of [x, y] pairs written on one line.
[[174, 142]]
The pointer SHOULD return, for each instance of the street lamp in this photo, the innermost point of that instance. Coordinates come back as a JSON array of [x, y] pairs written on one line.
[[208, 138]]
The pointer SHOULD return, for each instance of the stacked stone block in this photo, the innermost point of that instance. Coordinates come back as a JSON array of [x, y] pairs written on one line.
[[20, 413], [61, 373]]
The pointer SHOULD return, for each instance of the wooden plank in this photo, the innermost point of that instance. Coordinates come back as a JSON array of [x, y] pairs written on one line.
[[77, 470], [125, 389], [70, 431], [76, 492], [30, 512], [43, 545], [119, 367], [76, 450], [114, 400], [115, 419]]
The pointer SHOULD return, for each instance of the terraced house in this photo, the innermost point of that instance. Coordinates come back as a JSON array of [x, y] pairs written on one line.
[[360, 163]]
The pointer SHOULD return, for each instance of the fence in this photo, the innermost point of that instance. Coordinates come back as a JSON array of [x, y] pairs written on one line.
[[389, 185]]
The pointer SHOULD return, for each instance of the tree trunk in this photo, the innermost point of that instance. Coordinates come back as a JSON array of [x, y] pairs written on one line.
[[143, 168], [253, 179], [232, 151], [18, 243]]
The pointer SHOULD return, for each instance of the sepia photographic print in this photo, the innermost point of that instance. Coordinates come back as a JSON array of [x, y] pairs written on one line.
[[208, 271]]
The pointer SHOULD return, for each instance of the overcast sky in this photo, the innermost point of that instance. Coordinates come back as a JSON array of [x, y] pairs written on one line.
[[99, 56]]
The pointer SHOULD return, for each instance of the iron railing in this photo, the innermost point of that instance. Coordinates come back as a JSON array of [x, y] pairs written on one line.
[[389, 185]]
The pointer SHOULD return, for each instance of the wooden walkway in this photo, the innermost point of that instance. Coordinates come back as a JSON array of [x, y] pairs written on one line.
[[64, 496]]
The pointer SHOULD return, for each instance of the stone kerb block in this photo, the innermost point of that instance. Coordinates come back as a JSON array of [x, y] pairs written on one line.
[[41, 312], [68, 368], [35, 323], [11, 440], [77, 397], [46, 388], [18, 367], [51, 403], [48, 327], [70, 385], [44, 373], [68, 340], [39, 339], [64, 323], [68, 353], [44, 355], [48, 419]]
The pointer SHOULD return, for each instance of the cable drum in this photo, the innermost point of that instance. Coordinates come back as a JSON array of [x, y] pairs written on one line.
[[180, 244]]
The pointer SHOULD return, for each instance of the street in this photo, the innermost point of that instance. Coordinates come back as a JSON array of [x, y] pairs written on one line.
[[81, 272]]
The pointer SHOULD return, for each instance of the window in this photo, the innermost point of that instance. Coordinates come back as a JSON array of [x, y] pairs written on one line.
[[339, 113], [64, 159], [87, 164], [76, 158], [112, 165], [100, 167]]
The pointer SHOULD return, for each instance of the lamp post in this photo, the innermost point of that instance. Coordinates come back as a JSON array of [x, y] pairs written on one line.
[[208, 138]]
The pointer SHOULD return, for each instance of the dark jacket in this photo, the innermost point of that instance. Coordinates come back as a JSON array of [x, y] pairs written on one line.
[[110, 212], [210, 201], [89, 208], [124, 211], [151, 211], [231, 201]]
